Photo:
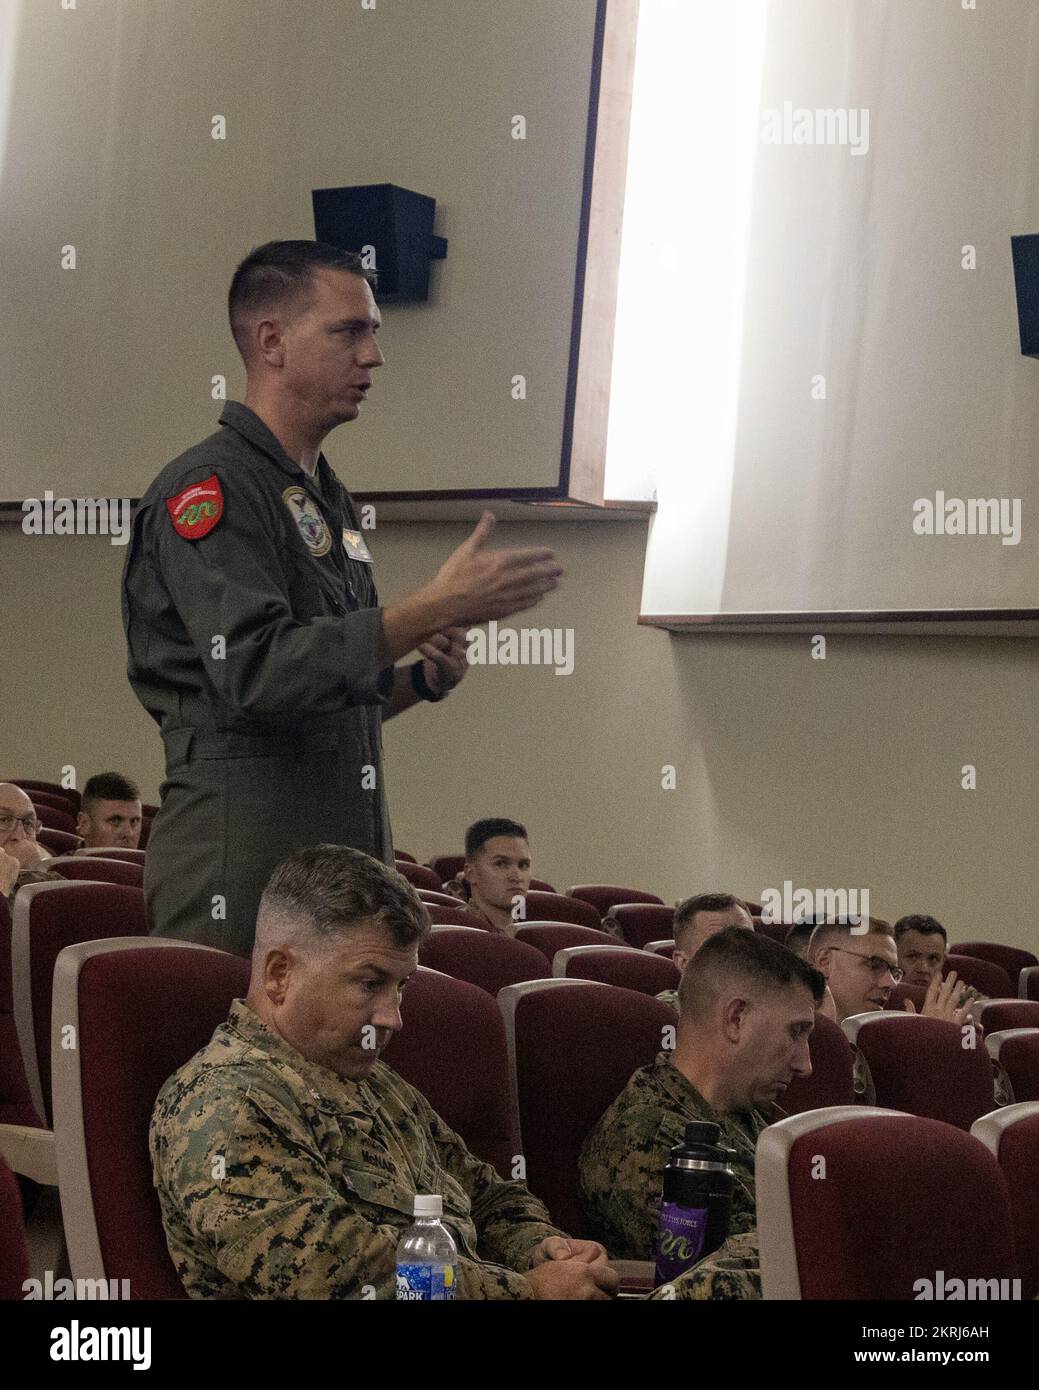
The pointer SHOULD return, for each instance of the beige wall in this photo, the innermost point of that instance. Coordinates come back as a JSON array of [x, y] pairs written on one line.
[[842, 773]]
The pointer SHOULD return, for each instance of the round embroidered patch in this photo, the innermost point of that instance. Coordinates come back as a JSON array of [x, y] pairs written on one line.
[[195, 511], [307, 515]]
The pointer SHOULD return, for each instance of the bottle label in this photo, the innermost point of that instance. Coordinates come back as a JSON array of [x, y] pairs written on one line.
[[681, 1239], [425, 1282]]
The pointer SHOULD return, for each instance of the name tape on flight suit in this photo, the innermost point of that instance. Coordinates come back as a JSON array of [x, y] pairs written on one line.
[[195, 511]]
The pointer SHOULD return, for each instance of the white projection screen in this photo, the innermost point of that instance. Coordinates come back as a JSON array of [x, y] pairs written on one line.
[[881, 364]]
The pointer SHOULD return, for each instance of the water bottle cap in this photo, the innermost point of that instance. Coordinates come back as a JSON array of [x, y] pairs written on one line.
[[702, 1132], [429, 1205]]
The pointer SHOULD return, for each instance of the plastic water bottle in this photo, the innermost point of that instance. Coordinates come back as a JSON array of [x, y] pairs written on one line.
[[427, 1257]]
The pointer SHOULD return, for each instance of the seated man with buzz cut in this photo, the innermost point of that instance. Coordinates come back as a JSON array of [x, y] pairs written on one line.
[[746, 1011], [922, 943], [697, 919], [495, 878], [287, 1157], [110, 813]]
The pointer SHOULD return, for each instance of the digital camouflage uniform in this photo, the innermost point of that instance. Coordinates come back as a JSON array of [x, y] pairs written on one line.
[[732, 1272], [315, 1178], [621, 1167]]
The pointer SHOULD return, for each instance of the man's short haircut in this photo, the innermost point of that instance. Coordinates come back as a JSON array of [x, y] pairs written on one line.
[[483, 830], [734, 958], [928, 926], [108, 786], [703, 902], [277, 278], [844, 928], [328, 889]]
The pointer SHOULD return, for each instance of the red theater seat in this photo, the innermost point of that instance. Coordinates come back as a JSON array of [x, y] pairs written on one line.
[[48, 917], [59, 841], [452, 1049], [141, 1009], [1012, 1134], [815, 1241], [16, 1103], [1028, 985], [128, 856], [832, 1066], [985, 977], [439, 899], [30, 784], [603, 896], [555, 907], [626, 967], [14, 1253], [550, 937], [51, 819], [402, 854], [573, 1045], [661, 948], [900, 993], [1017, 1051], [920, 1065], [486, 959], [447, 866], [776, 930], [55, 801], [454, 917], [639, 923], [998, 1015], [418, 875], [96, 868], [1010, 958]]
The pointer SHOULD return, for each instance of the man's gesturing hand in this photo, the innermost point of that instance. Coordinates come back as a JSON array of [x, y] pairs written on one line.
[[940, 1001], [476, 584], [446, 662]]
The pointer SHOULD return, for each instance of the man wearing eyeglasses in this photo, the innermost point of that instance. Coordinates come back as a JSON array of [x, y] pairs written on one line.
[[20, 853], [861, 968]]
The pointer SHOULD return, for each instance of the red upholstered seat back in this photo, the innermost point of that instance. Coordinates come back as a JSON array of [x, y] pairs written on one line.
[[452, 1048], [1011, 958], [64, 916], [920, 1065], [31, 784], [54, 819], [630, 969], [550, 937], [985, 977], [57, 801], [142, 1014], [1029, 983], [454, 917], [881, 1166], [403, 854], [831, 1080], [1010, 1013], [126, 856], [576, 1048], [486, 959], [603, 896], [556, 907], [16, 1106], [418, 875], [95, 868], [900, 993], [447, 866], [58, 841], [640, 923], [1020, 1057], [1019, 1160], [14, 1254]]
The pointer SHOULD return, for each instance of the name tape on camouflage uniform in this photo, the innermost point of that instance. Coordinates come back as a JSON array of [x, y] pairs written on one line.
[[195, 511]]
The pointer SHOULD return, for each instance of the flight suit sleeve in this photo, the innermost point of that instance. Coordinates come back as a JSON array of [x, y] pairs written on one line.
[[263, 1206], [230, 583], [511, 1222]]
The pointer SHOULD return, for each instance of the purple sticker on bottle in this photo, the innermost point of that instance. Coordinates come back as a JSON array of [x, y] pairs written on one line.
[[681, 1239]]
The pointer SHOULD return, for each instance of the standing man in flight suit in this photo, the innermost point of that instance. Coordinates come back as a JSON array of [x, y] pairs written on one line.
[[255, 637]]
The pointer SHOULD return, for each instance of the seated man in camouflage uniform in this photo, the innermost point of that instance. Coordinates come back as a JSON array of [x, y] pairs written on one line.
[[21, 854], [747, 1008], [696, 921], [287, 1156], [922, 943]]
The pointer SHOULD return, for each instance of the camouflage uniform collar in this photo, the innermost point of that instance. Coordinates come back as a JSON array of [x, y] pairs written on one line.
[[251, 1029], [249, 425], [682, 1090]]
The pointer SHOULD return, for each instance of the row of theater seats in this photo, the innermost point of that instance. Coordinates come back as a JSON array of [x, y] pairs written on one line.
[[492, 1069]]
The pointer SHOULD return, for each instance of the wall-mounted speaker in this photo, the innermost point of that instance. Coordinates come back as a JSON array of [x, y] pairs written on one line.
[[1026, 278], [395, 223]]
